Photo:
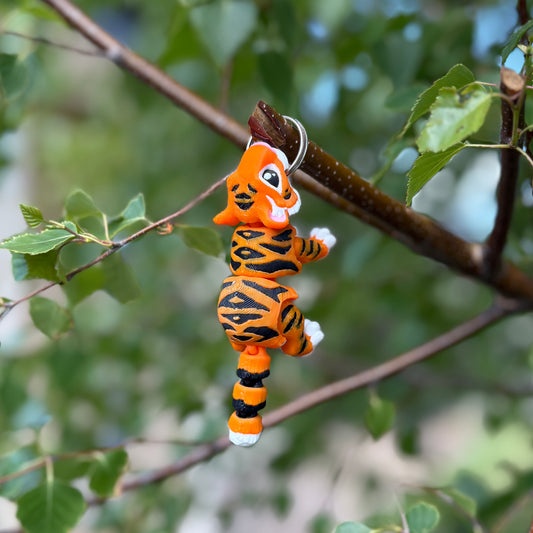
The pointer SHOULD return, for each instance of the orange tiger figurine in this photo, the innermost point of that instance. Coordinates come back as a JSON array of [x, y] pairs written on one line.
[[255, 311]]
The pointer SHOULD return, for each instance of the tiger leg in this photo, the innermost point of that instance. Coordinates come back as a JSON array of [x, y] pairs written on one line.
[[302, 335], [249, 396]]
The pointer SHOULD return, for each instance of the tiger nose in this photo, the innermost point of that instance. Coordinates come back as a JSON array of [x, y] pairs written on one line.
[[287, 194]]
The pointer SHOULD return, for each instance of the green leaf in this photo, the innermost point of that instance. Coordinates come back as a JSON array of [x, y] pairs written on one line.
[[49, 317], [13, 77], [106, 471], [119, 280], [205, 240], [426, 166], [352, 527], [72, 468], [454, 117], [379, 416], [42, 266], [461, 500], [32, 215], [83, 285], [52, 507], [223, 26], [515, 38], [80, 205], [17, 461], [276, 73], [458, 76], [133, 215], [393, 150], [37, 243], [422, 518]]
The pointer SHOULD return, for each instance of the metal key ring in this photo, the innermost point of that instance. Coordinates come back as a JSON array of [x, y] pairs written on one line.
[[302, 149]]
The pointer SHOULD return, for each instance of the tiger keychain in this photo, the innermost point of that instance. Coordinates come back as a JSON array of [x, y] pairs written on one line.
[[255, 311]]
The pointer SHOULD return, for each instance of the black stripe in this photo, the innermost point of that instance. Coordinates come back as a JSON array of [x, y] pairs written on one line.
[[262, 331], [249, 379], [251, 189], [242, 338], [247, 253], [311, 246], [243, 196], [304, 345], [244, 206], [234, 265], [277, 249], [303, 246], [234, 188], [271, 293], [228, 326], [241, 301], [285, 311], [318, 249], [283, 236], [243, 410], [300, 321], [241, 318], [291, 322], [273, 266], [249, 234]]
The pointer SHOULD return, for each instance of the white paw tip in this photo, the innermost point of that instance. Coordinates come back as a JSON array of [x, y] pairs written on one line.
[[242, 439], [312, 329], [324, 235]]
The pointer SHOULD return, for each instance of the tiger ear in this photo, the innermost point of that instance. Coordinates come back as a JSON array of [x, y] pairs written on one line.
[[226, 217]]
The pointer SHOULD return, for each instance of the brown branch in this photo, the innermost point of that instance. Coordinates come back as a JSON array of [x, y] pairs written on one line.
[[204, 452], [338, 184], [328, 393], [418, 232], [523, 13], [513, 86]]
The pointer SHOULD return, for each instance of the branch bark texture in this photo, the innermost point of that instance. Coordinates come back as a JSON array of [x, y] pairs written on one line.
[[418, 232], [513, 86]]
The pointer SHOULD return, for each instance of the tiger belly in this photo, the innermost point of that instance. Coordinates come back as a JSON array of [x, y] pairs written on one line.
[[264, 252], [249, 309]]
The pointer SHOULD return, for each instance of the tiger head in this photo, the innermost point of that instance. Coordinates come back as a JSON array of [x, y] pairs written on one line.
[[259, 190]]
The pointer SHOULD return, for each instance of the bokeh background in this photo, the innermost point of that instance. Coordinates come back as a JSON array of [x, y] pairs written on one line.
[[160, 367]]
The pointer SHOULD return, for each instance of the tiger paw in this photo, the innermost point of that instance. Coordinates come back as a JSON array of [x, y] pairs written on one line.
[[324, 236], [313, 331]]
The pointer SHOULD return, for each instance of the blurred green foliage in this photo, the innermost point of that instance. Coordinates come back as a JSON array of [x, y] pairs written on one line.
[[158, 366]]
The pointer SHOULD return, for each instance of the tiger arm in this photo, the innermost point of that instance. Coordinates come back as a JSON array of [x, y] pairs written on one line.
[[316, 247]]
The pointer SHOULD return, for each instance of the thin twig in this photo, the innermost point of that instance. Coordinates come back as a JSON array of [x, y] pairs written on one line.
[[512, 85], [48, 42], [204, 452], [375, 374], [9, 305]]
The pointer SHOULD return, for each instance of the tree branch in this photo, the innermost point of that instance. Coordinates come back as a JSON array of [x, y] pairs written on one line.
[[513, 86], [204, 452], [418, 232], [338, 185]]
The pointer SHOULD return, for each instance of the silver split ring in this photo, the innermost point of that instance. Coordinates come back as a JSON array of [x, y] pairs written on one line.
[[302, 149]]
